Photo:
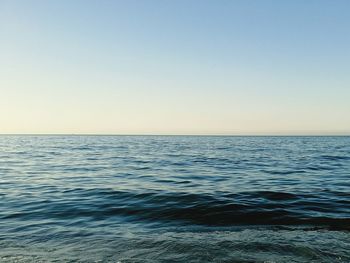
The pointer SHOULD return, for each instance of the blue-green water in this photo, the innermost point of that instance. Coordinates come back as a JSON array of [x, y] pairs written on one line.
[[174, 199]]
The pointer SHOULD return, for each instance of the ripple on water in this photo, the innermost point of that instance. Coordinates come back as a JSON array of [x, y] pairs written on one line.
[[174, 199]]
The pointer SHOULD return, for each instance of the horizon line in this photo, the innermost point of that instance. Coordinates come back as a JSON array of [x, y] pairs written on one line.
[[155, 134]]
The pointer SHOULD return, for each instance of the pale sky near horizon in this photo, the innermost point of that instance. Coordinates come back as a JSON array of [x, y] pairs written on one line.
[[175, 67]]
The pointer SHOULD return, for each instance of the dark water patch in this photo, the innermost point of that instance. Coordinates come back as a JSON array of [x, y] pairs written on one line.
[[284, 172], [335, 157], [257, 208], [82, 148], [275, 195]]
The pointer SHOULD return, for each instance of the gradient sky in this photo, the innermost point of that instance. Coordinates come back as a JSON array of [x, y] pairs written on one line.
[[175, 67]]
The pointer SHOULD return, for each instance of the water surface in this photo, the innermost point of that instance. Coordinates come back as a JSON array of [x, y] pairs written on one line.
[[174, 199]]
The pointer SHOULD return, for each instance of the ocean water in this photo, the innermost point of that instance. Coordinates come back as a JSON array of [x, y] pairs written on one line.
[[174, 199]]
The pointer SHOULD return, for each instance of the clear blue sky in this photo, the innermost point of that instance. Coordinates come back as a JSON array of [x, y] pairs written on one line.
[[175, 67]]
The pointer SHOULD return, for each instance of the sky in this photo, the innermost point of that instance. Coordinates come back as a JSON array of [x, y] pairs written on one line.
[[238, 67]]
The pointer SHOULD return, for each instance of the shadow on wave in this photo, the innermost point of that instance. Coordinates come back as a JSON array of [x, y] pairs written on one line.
[[246, 208]]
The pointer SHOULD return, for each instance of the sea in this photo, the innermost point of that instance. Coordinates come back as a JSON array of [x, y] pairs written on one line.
[[174, 198]]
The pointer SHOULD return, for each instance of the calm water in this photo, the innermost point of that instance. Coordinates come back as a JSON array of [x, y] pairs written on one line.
[[174, 199]]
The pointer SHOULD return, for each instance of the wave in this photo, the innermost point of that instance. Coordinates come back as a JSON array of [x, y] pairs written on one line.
[[245, 208]]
